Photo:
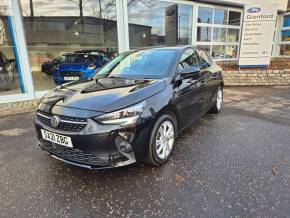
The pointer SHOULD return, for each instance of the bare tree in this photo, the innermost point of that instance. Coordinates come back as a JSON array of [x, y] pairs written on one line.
[[31, 8], [3, 37], [80, 4], [146, 3], [104, 11], [3, 12]]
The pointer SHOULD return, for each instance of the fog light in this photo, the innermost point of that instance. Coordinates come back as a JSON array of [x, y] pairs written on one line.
[[129, 136], [123, 145]]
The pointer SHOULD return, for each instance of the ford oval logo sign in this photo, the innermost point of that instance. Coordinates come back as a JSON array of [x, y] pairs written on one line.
[[254, 10], [170, 12]]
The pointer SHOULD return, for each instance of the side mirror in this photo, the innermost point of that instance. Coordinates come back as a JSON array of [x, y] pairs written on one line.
[[106, 60], [10, 60], [189, 72]]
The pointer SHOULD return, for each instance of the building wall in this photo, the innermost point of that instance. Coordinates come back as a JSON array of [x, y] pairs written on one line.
[[282, 4], [52, 31], [278, 73], [258, 77]]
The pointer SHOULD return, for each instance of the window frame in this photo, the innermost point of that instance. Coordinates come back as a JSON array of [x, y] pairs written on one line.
[[226, 26], [278, 37], [21, 56], [195, 24]]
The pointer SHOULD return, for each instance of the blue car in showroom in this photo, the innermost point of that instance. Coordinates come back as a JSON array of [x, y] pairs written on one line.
[[74, 66]]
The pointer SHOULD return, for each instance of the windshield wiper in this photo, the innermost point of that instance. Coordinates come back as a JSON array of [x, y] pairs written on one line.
[[64, 87], [99, 83]]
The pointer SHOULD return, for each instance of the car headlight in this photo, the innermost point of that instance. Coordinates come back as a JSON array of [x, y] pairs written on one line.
[[91, 67], [125, 117]]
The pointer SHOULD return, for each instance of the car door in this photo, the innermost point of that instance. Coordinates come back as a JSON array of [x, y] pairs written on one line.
[[2, 63], [188, 91], [213, 74], [206, 69]]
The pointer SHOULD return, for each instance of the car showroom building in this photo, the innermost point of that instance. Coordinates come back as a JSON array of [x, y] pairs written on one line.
[[34, 32]]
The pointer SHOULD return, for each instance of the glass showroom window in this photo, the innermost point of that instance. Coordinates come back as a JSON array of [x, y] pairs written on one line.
[[68, 39], [218, 31], [11, 80], [285, 36], [155, 23]]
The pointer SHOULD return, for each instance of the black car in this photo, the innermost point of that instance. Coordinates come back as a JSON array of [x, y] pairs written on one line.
[[7, 72], [94, 51], [132, 110], [49, 66]]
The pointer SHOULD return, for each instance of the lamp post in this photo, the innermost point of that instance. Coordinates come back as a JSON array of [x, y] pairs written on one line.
[[179, 19]]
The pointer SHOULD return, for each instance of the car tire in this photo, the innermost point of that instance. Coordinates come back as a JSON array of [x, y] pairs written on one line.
[[218, 103], [157, 155]]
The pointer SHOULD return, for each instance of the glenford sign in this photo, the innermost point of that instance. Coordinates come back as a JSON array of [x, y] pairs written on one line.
[[258, 34]]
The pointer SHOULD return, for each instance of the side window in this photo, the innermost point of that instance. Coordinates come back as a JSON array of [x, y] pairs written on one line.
[[189, 58], [1, 59], [105, 55], [204, 60]]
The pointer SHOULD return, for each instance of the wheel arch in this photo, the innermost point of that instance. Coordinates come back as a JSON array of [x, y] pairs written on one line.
[[222, 84], [171, 109]]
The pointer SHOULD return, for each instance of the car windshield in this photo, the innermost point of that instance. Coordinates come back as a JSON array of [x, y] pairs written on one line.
[[2, 58], [79, 58], [153, 64]]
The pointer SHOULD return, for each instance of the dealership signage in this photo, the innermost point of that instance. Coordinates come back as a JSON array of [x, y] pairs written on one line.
[[258, 34], [171, 25]]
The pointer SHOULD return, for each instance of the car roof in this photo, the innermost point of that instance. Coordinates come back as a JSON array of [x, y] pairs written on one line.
[[89, 54], [179, 48], [89, 51]]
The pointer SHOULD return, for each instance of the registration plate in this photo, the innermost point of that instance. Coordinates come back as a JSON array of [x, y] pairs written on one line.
[[56, 138], [71, 78]]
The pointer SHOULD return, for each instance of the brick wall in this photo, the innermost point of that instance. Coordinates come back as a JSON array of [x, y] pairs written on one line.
[[256, 77], [278, 73]]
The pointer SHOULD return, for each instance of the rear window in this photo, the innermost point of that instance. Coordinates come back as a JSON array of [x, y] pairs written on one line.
[[204, 59], [80, 58]]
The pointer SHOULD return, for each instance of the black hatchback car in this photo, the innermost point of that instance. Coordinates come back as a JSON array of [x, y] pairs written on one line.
[[132, 110], [8, 72]]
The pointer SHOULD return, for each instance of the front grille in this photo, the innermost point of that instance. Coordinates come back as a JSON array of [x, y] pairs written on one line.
[[72, 154], [71, 74], [69, 124]]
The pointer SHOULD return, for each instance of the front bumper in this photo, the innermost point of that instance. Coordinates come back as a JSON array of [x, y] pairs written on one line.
[[98, 146], [5, 81], [58, 79], [85, 159]]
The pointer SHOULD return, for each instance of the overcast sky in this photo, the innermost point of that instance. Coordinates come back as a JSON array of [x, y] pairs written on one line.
[[151, 14], [155, 16], [62, 7]]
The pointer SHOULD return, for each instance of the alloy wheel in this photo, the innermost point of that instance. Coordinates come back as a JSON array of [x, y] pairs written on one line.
[[165, 139], [219, 101]]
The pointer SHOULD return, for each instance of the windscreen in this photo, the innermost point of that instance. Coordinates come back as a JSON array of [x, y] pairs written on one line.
[[141, 64], [79, 58]]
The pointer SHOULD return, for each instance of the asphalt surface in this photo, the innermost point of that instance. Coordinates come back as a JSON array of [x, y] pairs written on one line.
[[235, 164]]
